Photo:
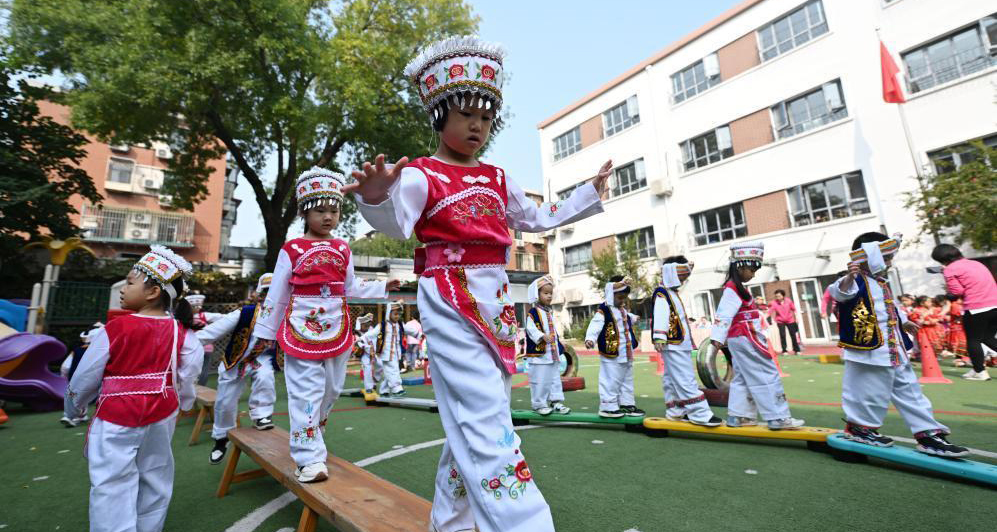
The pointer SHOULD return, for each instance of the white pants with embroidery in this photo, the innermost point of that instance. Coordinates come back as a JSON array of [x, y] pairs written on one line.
[[756, 387], [131, 475], [482, 479], [545, 384], [262, 393], [312, 388], [867, 390], [616, 383], [682, 394], [391, 377]]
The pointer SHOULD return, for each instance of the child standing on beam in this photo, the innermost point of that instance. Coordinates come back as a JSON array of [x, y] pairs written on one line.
[[244, 356], [387, 345], [314, 277], [612, 331], [544, 350], [874, 337], [756, 387], [363, 349], [673, 341], [462, 209]]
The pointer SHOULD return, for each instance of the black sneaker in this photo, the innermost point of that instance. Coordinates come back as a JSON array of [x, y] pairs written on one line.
[[399, 394], [612, 413], [867, 436], [264, 423], [937, 445], [632, 410], [218, 452], [713, 422]]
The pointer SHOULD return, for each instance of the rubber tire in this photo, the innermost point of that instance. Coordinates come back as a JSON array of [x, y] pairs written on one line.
[[572, 384], [706, 367]]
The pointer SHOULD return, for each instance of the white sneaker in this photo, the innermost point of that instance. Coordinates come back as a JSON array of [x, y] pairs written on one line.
[[544, 411], [75, 421], [785, 423], [968, 374], [316, 472], [978, 376], [560, 408], [65, 420]]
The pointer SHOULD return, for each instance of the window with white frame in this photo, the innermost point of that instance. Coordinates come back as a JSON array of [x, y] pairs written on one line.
[[577, 258], [718, 225], [120, 170], [791, 30], [566, 193], [952, 158], [628, 178], [645, 241], [621, 117], [831, 199], [707, 148], [695, 78], [954, 56], [568, 143], [820, 106]]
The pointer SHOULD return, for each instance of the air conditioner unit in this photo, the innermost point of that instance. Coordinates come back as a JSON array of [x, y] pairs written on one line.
[[164, 153], [88, 222], [558, 298], [151, 184], [138, 233], [141, 218], [567, 229], [661, 187], [573, 295], [663, 250], [165, 200], [118, 147]]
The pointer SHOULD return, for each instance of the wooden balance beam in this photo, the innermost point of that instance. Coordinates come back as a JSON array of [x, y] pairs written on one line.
[[352, 499], [205, 403]]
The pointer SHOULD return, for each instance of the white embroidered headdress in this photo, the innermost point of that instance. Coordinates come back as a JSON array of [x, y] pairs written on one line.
[[163, 266], [747, 254], [533, 292], [458, 71], [873, 253], [319, 186], [670, 273]]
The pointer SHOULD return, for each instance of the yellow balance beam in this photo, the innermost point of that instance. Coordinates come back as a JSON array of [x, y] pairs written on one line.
[[818, 434]]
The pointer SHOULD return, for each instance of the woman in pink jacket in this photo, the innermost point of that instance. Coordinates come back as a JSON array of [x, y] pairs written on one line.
[[974, 282]]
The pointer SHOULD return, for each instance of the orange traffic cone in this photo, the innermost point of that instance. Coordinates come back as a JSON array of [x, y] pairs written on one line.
[[661, 364], [425, 373], [3, 416], [931, 372]]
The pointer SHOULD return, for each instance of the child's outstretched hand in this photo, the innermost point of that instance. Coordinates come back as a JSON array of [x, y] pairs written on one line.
[[374, 180], [601, 178], [393, 285]]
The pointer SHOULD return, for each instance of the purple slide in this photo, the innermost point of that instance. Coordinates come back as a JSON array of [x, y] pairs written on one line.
[[30, 381]]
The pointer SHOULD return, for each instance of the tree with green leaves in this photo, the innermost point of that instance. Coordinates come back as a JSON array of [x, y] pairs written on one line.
[[961, 201], [628, 264], [39, 169], [307, 82], [381, 245]]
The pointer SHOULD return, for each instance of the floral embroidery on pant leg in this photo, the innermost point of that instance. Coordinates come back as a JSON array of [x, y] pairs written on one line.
[[305, 435], [456, 482], [511, 482]]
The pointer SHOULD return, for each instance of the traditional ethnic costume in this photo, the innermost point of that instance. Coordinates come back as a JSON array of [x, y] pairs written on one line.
[[673, 341], [877, 358], [756, 387], [463, 215], [143, 368], [369, 366], [306, 312], [612, 330], [544, 356], [387, 344], [245, 356]]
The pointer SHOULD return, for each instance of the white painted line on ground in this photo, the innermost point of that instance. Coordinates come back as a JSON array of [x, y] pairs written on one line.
[[256, 518], [36, 479], [63, 451]]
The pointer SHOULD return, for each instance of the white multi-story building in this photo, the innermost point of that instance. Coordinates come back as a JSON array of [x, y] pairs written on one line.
[[768, 123]]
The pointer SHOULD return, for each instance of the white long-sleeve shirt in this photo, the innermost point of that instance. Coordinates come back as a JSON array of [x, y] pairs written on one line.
[[881, 355], [595, 327], [90, 371], [391, 349], [730, 304]]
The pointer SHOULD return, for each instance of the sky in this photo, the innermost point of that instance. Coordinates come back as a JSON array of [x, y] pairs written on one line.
[[557, 52]]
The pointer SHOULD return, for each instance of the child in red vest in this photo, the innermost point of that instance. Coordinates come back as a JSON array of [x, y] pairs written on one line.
[[306, 312], [143, 366], [462, 210]]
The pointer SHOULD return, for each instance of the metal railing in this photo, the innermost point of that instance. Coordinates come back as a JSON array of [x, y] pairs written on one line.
[[116, 225], [944, 69]]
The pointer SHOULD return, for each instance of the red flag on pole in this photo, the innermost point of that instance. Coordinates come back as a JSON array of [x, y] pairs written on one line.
[[892, 91]]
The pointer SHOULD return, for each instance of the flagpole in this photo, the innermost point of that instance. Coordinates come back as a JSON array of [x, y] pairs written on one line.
[[919, 174]]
